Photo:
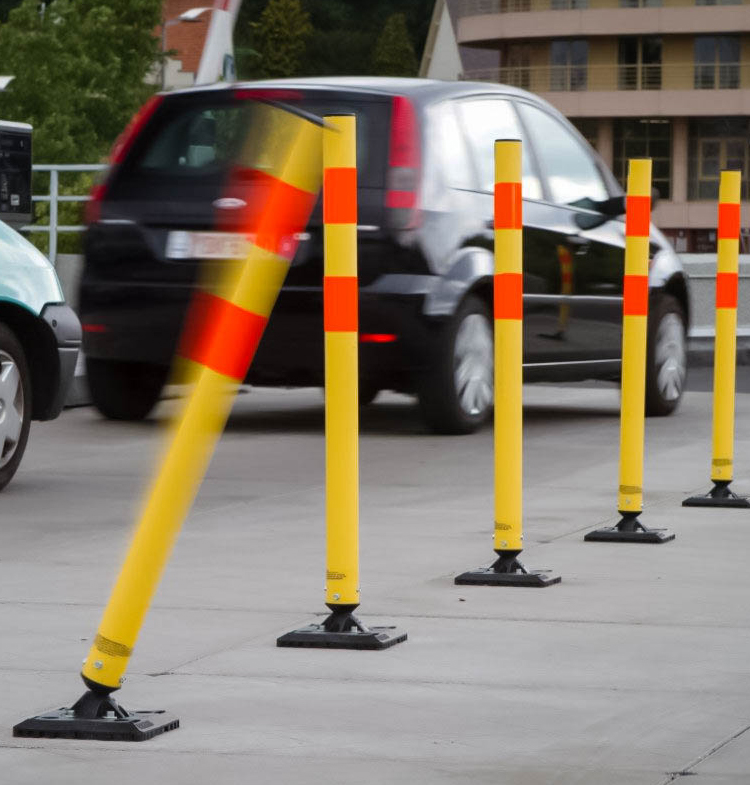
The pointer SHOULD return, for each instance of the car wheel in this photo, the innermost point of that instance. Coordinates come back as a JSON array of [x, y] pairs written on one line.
[[666, 358], [456, 396], [15, 404], [367, 392], [124, 390]]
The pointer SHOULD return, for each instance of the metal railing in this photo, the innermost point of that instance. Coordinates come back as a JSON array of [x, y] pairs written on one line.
[[667, 76], [54, 198], [479, 7]]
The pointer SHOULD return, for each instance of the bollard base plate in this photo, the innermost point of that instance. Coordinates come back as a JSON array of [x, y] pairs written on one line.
[[316, 636], [486, 576], [718, 496], [507, 571], [64, 724], [342, 630], [630, 529]]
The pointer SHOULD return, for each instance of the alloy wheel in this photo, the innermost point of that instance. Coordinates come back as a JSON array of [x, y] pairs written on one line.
[[670, 357], [11, 407], [473, 358]]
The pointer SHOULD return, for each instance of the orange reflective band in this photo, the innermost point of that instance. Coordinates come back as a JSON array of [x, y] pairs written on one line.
[[508, 296], [638, 216], [726, 290], [220, 335], [635, 295], [340, 196], [729, 221], [271, 210], [340, 303], [508, 206]]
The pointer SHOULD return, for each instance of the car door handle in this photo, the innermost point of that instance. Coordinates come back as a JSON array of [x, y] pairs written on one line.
[[580, 245]]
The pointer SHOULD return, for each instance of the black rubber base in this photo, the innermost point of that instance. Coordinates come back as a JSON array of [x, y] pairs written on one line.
[[99, 718], [718, 496], [507, 571], [630, 529], [342, 630]]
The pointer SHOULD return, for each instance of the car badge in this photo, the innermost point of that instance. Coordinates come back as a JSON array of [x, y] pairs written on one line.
[[229, 203]]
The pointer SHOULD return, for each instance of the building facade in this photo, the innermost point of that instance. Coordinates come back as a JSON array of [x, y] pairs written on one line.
[[664, 79], [184, 39]]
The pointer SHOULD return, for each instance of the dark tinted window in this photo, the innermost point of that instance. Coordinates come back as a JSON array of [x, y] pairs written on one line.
[[195, 138]]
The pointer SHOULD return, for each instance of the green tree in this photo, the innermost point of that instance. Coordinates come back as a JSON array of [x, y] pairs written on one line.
[[393, 54], [80, 72], [280, 38]]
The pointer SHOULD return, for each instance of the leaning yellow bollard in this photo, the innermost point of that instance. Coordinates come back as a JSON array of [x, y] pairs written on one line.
[[223, 331], [725, 352], [508, 441], [634, 332], [340, 322]]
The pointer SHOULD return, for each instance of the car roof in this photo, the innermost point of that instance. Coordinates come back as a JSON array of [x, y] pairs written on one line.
[[425, 89]]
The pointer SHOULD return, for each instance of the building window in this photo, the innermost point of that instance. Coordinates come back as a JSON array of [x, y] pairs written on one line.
[[588, 128], [565, 5], [717, 62], [569, 59], [516, 62], [641, 3], [718, 2], [645, 139], [639, 63], [715, 145]]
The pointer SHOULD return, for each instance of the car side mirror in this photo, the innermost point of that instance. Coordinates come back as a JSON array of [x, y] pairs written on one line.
[[615, 205]]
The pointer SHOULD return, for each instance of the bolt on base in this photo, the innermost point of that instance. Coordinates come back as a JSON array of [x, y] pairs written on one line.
[[629, 529], [342, 630], [97, 716], [718, 496], [507, 571]]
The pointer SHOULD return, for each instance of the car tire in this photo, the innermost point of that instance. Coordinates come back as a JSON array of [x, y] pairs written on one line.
[[666, 356], [367, 392], [456, 395], [124, 390], [15, 404]]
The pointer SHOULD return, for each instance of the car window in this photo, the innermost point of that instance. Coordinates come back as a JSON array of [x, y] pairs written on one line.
[[453, 158], [484, 120], [571, 173], [194, 139]]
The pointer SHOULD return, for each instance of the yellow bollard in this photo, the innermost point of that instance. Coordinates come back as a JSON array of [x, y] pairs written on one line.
[[223, 331], [725, 352], [341, 629], [508, 436], [634, 332]]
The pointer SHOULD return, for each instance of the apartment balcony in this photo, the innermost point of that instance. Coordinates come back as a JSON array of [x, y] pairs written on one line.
[[670, 89], [479, 7], [484, 22]]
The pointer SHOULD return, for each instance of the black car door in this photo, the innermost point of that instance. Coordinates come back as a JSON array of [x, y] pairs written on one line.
[[485, 119], [589, 247]]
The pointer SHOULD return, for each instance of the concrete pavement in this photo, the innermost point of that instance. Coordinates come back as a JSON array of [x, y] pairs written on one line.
[[634, 671]]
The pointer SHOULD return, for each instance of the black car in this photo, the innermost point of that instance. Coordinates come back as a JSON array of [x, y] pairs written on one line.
[[425, 191]]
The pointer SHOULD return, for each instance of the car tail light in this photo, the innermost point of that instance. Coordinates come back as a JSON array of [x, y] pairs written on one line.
[[120, 149], [377, 337], [403, 165]]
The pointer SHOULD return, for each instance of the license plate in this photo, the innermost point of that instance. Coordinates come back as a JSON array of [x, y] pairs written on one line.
[[206, 245]]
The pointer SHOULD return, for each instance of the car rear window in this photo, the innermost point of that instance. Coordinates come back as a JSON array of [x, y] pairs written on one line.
[[198, 137]]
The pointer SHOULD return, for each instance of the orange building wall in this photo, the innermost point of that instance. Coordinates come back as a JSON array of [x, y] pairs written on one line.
[[186, 37]]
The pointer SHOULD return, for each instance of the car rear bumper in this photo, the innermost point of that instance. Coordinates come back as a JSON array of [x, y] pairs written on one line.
[[142, 323]]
